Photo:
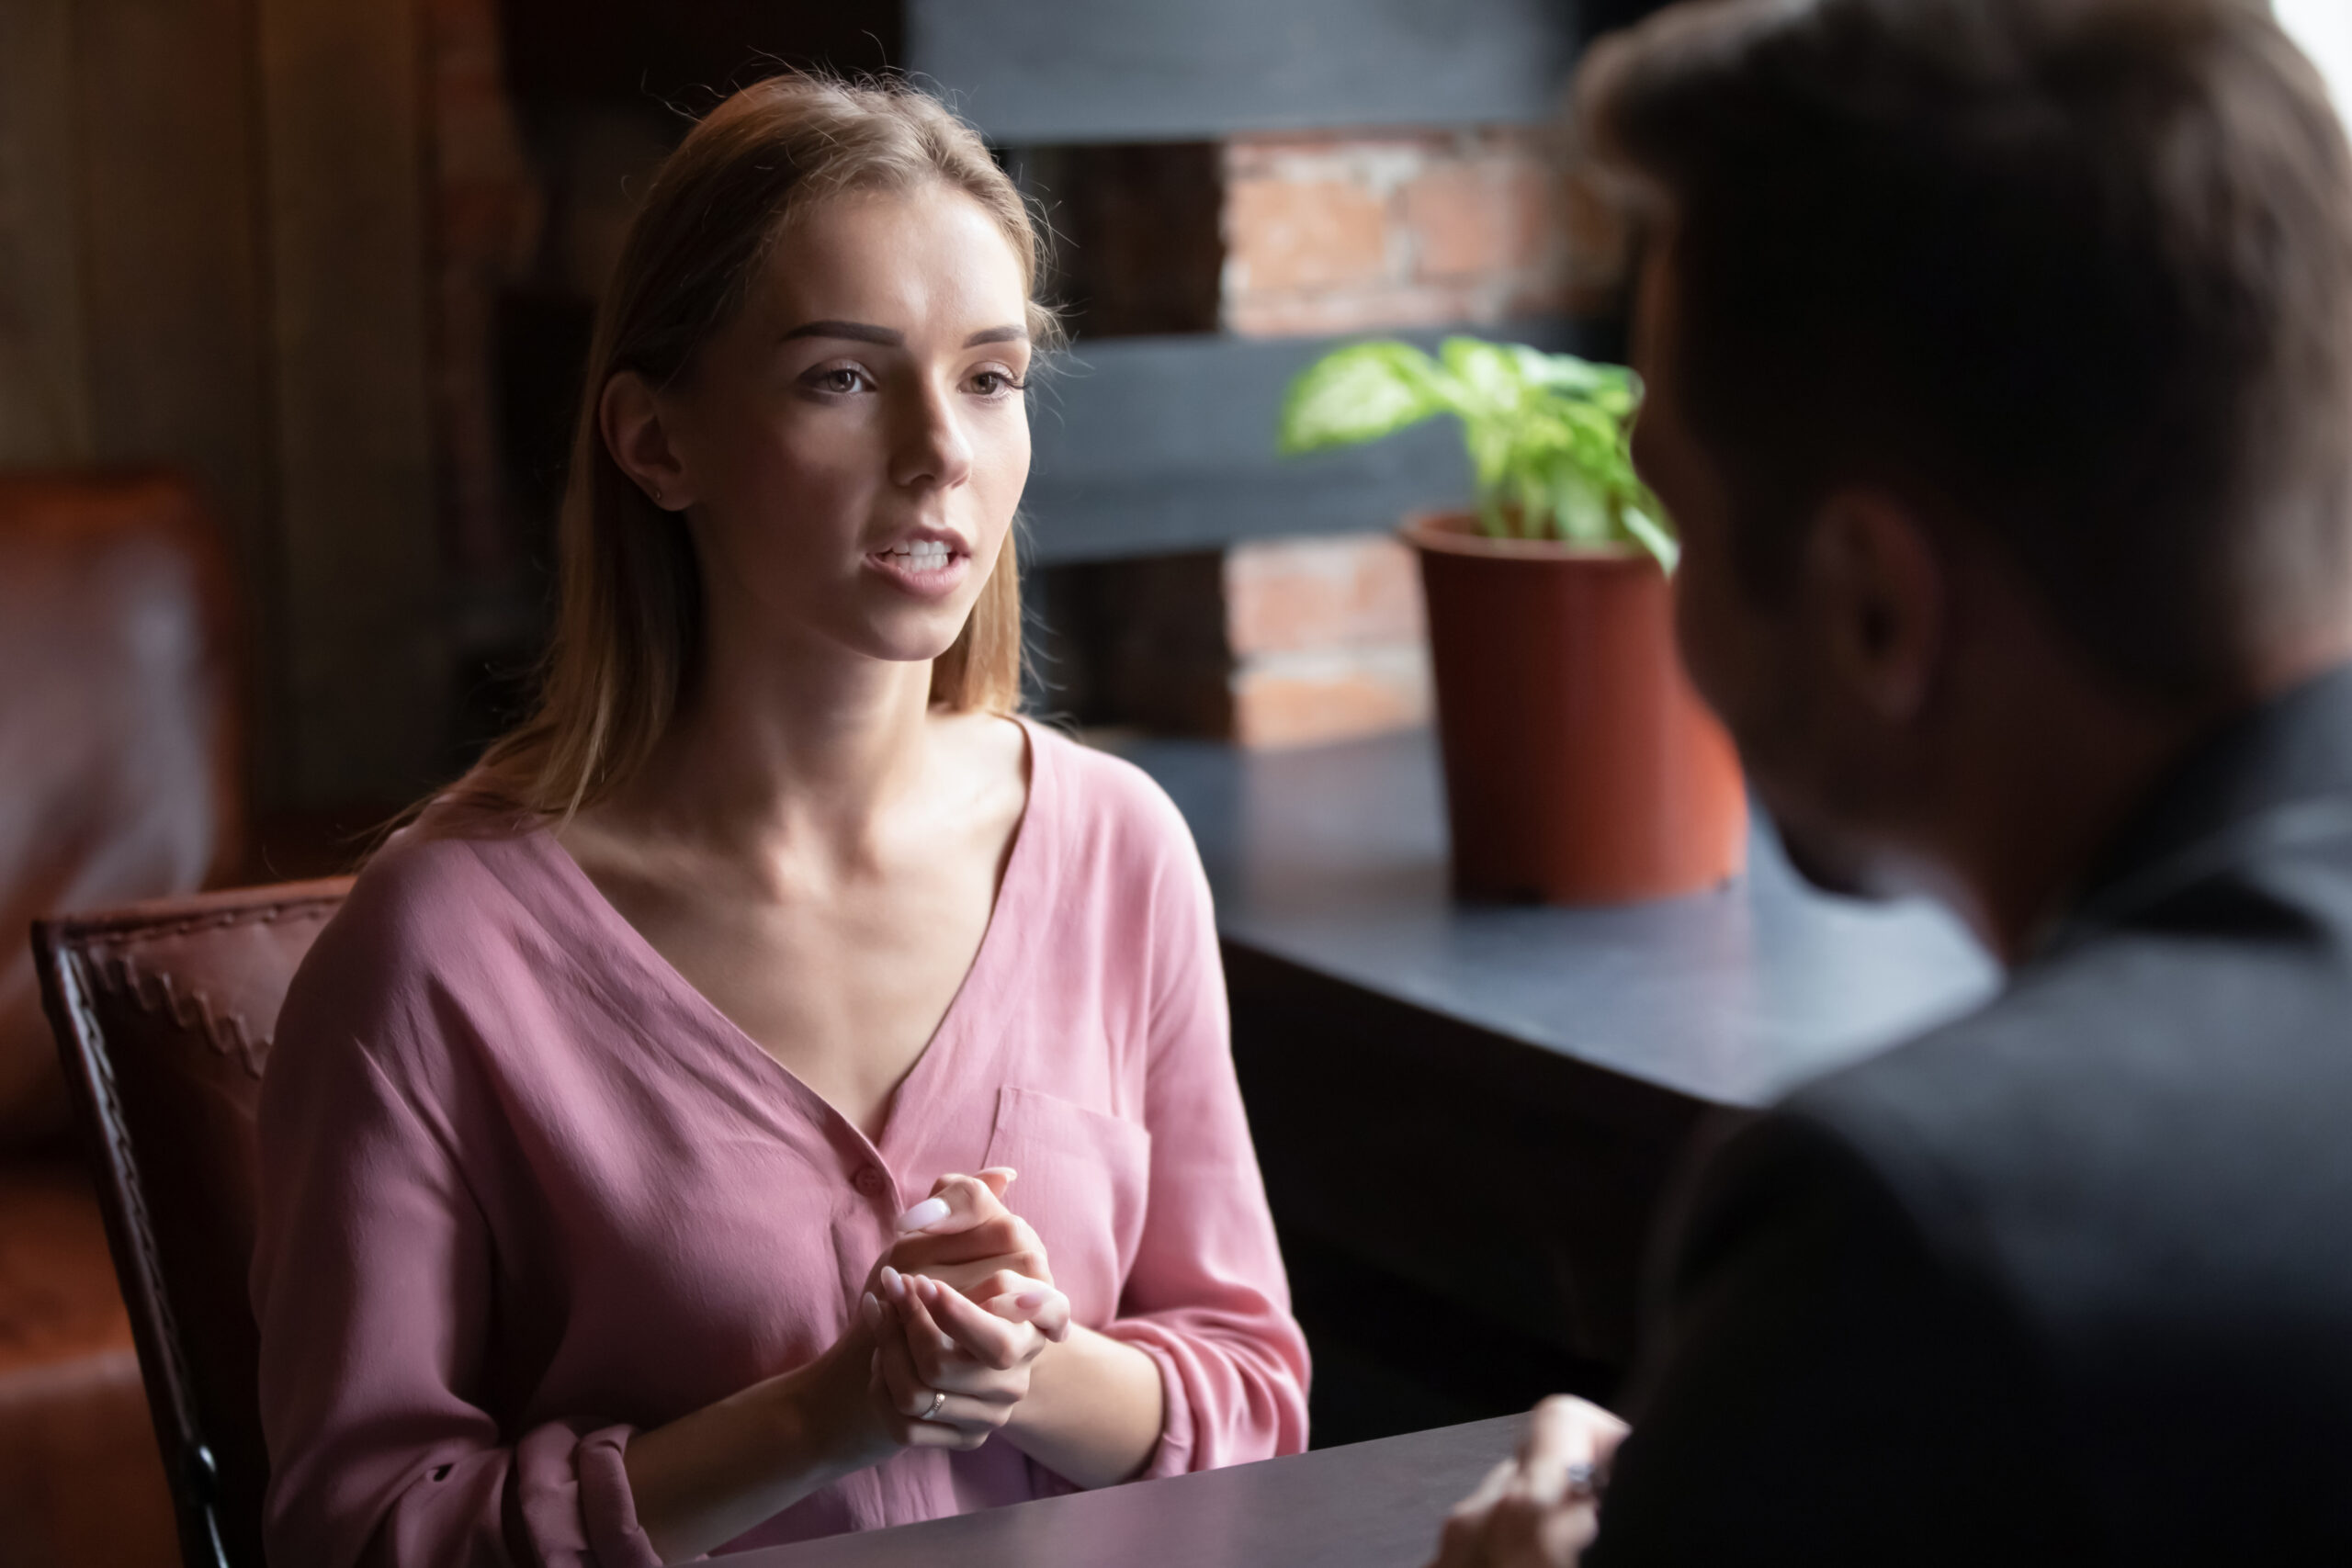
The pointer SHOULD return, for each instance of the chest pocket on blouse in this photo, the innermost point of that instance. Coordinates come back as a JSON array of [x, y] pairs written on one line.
[[1085, 1183]]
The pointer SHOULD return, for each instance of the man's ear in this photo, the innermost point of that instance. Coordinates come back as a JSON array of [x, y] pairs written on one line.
[[1879, 588], [629, 415]]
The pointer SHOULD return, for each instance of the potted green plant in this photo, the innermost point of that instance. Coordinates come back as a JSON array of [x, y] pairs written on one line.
[[1579, 765]]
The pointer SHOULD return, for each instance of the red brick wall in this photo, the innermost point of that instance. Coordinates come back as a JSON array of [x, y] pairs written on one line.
[[1337, 232], [1334, 233], [1325, 639]]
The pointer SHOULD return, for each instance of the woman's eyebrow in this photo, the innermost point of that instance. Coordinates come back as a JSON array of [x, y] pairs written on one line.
[[858, 331], [861, 332]]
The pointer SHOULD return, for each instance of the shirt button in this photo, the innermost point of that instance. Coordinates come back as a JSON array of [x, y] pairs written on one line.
[[870, 1180]]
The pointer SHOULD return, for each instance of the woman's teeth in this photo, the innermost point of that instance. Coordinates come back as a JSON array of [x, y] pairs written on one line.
[[923, 554]]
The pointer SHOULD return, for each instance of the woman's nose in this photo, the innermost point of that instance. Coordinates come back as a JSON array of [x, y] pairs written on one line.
[[930, 447]]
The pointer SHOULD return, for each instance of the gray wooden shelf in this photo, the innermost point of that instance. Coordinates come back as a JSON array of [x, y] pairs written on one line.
[[1146, 446], [1100, 70]]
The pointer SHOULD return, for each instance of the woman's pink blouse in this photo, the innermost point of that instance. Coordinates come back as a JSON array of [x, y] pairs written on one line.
[[526, 1193]]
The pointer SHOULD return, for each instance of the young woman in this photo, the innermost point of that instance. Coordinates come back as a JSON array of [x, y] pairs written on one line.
[[778, 1092]]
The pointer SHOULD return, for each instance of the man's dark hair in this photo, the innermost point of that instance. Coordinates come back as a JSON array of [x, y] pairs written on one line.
[[2080, 271]]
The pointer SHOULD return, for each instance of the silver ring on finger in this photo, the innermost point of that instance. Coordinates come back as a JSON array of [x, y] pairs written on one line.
[[938, 1402]]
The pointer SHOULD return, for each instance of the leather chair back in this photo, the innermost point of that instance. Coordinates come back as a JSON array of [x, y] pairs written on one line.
[[163, 1015]]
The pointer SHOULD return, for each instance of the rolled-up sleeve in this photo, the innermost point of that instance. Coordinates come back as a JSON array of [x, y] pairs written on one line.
[[1206, 1298], [372, 1286]]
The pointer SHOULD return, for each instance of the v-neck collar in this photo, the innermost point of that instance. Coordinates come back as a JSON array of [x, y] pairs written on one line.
[[916, 1102]]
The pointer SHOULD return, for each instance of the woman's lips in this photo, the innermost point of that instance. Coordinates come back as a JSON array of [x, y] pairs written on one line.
[[927, 569]]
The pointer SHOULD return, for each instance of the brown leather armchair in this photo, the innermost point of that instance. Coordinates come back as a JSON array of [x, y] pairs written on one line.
[[122, 727], [120, 760], [163, 1015]]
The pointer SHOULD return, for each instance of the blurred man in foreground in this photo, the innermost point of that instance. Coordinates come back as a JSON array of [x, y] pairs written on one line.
[[1999, 356]]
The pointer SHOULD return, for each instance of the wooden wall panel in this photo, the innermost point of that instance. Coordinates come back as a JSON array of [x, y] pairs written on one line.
[[172, 289], [44, 389], [152, 195], [341, 97], [213, 255]]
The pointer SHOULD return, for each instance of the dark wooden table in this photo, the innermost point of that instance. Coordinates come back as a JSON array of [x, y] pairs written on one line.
[[1484, 1103], [1369, 1505]]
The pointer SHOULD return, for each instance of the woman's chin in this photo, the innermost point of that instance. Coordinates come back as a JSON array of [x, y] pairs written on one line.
[[904, 639]]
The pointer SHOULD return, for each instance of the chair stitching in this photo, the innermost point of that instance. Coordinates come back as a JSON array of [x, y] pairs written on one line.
[[259, 914], [156, 993]]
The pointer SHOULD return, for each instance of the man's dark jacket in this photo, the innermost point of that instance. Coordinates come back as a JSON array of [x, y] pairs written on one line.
[[2069, 1281]]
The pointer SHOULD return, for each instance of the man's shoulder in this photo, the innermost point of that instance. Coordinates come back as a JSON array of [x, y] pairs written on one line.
[[2105, 1057], [2135, 1159], [2138, 1143]]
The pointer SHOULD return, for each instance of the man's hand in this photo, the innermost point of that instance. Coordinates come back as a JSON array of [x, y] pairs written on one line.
[[1543, 1508]]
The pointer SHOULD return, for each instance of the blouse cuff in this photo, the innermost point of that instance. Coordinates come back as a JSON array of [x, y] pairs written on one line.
[[576, 1500], [607, 1507], [1174, 1454]]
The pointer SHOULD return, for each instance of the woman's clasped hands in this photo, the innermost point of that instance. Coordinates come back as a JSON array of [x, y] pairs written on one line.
[[960, 1310]]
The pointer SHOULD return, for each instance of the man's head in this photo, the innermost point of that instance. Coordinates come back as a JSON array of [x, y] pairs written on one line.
[[1997, 348]]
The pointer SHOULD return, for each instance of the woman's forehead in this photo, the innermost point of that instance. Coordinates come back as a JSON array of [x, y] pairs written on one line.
[[929, 256]]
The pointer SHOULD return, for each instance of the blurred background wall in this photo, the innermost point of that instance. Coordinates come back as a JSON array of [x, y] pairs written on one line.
[[337, 259], [215, 251]]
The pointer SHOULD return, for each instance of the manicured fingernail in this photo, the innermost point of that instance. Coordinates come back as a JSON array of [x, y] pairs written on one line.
[[894, 1282], [927, 1212], [1030, 1301], [870, 1310]]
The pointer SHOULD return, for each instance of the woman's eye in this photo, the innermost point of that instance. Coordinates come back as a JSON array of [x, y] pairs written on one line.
[[840, 379], [991, 383]]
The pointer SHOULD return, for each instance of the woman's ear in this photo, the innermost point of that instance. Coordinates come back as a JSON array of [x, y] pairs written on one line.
[[629, 415], [1879, 591]]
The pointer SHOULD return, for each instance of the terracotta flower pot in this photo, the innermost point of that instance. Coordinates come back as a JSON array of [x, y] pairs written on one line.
[[1580, 768]]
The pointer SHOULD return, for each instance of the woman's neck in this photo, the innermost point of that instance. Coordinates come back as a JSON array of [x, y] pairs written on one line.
[[781, 752]]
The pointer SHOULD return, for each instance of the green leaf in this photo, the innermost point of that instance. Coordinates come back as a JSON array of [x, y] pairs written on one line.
[[1578, 378], [1360, 394], [1580, 511], [1546, 434], [1488, 374], [1651, 535]]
